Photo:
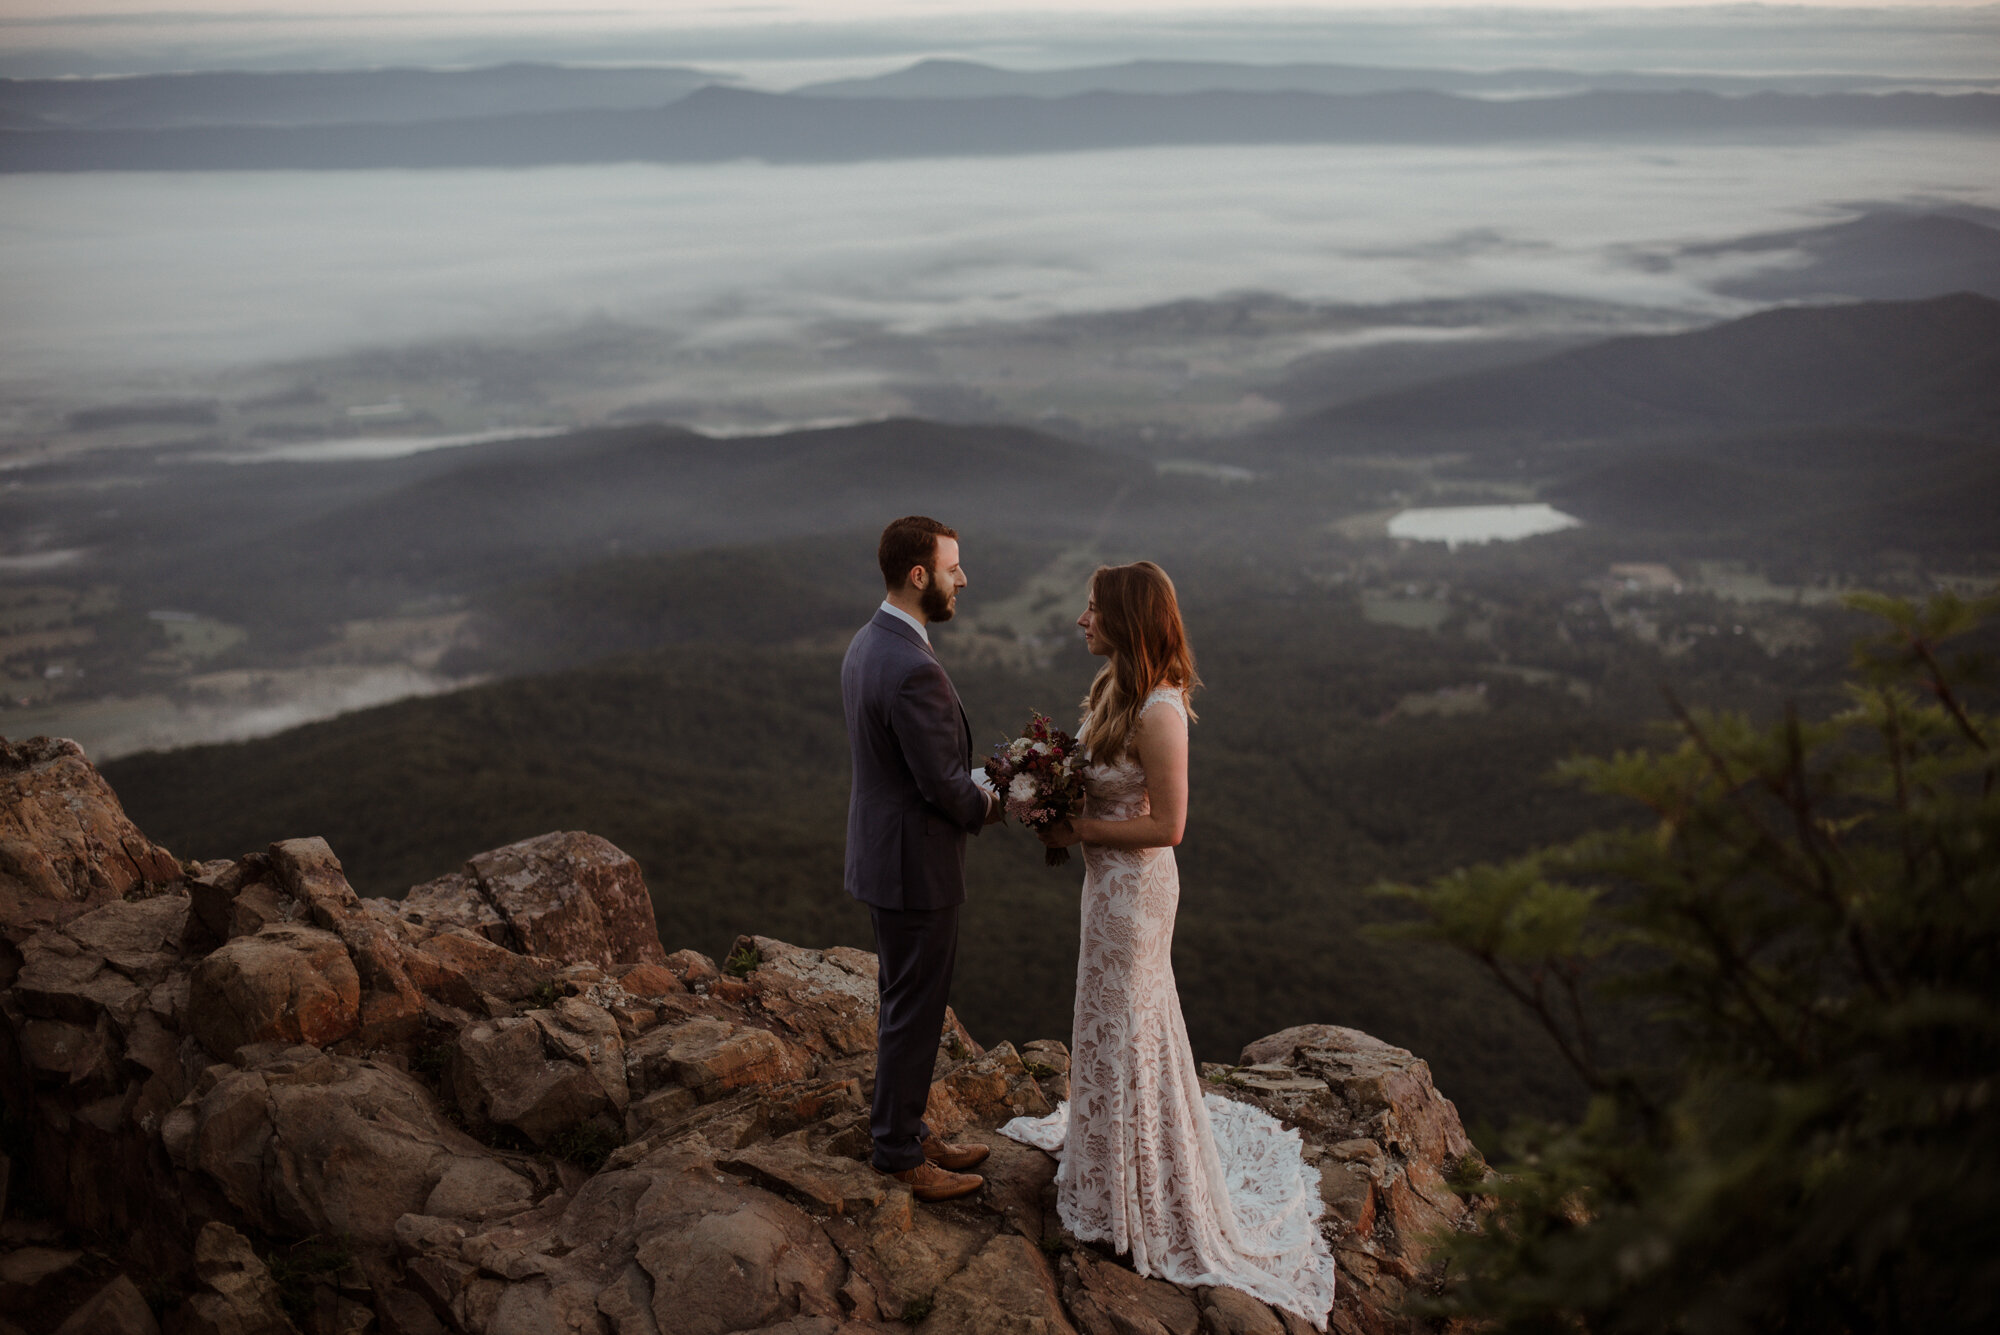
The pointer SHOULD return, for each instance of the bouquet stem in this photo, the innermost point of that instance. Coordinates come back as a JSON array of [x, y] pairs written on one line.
[[1055, 857]]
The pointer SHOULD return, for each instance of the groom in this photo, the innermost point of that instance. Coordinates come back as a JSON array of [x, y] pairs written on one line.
[[913, 803]]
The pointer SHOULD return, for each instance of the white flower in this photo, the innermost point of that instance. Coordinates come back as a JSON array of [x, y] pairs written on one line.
[[1041, 748], [1022, 789], [1019, 748]]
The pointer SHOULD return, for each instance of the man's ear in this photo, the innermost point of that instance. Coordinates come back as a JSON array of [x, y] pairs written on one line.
[[910, 581]]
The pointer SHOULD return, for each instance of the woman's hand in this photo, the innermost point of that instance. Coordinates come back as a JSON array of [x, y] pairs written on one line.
[[1060, 835]]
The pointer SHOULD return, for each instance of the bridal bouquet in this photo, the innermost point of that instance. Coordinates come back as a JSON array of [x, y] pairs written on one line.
[[1040, 774]]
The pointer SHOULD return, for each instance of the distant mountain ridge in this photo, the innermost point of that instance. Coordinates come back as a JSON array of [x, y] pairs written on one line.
[[1932, 365], [649, 485], [1881, 256], [334, 97], [715, 124], [328, 537], [965, 78], [402, 95]]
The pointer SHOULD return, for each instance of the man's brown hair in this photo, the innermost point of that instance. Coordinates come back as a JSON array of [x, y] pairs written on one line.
[[909, 541]]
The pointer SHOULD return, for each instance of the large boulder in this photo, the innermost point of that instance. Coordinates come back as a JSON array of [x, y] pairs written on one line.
[[141, 939], [300, 1142], [1377, 1088], [541, 1074], [824, 998], [391, 1007], [238, 898], [65, 841], [60, 979], [470, 972], [287, 984], [989, 1089], [453, 903], [902, 1254], [1107, 1299], [1005, 1290], [571, 896], [725, 1257], [1386, 1143], [712, 1057]]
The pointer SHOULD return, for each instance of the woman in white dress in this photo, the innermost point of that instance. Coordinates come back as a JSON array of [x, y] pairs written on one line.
[[1198, 1190]]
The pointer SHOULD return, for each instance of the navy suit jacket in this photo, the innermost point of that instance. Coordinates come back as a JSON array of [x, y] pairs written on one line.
[[913, 800]]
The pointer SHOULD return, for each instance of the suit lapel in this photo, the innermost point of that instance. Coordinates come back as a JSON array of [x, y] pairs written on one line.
[[964, 723]]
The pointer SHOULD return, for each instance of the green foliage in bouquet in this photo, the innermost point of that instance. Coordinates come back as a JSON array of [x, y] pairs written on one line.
[[1809, 921]]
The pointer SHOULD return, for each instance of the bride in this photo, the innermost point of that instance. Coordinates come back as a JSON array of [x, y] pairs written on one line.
[[1199, 1190]]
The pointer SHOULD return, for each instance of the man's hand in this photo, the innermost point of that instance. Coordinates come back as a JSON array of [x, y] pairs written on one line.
[[996, 809]]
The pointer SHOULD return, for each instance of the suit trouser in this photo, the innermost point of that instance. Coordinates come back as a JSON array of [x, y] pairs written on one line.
[[915, 951]]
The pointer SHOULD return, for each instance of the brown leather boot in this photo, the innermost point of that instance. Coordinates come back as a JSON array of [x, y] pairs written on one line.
[[928, 1182], [954, 1158]]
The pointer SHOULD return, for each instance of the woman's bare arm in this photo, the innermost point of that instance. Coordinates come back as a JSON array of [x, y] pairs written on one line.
[[1161, 740]]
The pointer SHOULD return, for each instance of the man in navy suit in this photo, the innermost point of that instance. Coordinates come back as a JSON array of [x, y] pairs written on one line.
[[912, 804]]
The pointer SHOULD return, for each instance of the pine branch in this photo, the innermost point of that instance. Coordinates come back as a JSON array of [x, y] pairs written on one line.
[[1807, 883], [1740, 977], [1898, 768], [1794, 794], [1941, 688]]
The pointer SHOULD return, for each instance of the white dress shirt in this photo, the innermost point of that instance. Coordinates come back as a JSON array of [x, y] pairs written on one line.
[[896, 611]]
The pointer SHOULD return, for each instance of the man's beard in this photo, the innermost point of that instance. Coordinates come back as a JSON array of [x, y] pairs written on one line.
[[935, 601]]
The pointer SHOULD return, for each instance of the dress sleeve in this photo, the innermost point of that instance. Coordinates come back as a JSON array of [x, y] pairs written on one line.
[[1172, 695]]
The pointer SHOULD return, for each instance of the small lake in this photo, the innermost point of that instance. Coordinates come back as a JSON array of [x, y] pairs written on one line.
[[353, 449], [1455, 524]]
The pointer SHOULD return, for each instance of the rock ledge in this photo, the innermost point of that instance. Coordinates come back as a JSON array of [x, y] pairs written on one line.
[[248, 1100]]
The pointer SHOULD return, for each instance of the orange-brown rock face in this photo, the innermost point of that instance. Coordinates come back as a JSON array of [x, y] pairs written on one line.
[[571, 897], [65, 843], [288, 983], [512, 1110], [1385, 1141]]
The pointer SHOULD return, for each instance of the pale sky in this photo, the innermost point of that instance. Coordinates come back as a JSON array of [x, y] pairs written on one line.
[[722, 13], [777, 45]]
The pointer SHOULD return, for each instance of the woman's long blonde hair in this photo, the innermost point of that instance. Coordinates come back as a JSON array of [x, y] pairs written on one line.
[[1139, 617]]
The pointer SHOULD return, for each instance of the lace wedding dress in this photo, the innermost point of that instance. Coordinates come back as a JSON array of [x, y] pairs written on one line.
[[1199, 1190]]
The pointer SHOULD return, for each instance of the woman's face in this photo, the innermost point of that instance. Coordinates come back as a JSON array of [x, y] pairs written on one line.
[[1087, 623]]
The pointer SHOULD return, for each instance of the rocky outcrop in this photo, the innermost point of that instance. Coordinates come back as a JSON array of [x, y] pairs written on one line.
[[65, 844], [241, 1098], [1385, 1141]]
